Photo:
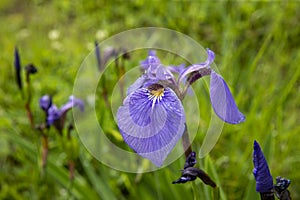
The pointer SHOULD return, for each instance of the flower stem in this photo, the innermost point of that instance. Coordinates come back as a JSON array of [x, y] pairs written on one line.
[[27, 104], [45, 148], [186, 142], [267, 196]]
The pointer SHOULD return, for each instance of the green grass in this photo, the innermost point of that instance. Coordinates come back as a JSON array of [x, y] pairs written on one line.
[[257, 53]]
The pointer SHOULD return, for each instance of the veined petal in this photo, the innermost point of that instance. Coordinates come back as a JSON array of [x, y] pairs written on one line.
[[197, 67], [261, 172], [222, 100], [137, 84], [151, 124]]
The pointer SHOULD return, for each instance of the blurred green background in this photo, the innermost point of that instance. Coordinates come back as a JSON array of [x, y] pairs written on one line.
[[257, 53]]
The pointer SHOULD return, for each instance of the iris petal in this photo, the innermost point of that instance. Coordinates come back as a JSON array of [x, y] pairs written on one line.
[[197, 67], [152, 132], [264, 180], [223, 102], [73, 102]]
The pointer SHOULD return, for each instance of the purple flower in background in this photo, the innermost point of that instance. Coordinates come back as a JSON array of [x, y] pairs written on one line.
[[45, 102], [152, 119], [57, 116], [264, 180]]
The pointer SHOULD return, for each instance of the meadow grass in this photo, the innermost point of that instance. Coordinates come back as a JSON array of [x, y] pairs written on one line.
[[257, 53]]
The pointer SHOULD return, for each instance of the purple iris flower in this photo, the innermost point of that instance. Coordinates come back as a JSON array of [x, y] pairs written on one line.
[[57, 116], [45, 102], [264, 180], [152, 119]]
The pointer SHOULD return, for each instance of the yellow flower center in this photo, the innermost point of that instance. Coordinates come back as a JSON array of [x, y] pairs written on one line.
[[156, 92]]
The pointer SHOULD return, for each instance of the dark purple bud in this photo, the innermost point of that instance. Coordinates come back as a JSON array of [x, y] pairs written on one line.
[[281, 188], [190, 160], [281, 183], [31, 69], [45, 102], [17, 64], [98, 55], [264, 180]]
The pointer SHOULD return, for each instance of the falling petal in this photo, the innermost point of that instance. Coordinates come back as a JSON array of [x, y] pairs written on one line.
[[264, 180], [151, 126], [223, 102]]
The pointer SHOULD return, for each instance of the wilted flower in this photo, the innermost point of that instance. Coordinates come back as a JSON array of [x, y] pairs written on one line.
[[264, 180], [152, 119]]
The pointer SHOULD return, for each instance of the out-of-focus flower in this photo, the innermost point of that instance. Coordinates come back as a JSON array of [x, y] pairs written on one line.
[[30, 69], [261, 172], [57, 116], [17, 64], [45, 102], [54, 34]]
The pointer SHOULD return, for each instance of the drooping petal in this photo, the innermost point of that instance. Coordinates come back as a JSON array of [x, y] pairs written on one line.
[[222, 100], [151, 129], [73, 102], [261, 172], [45, 102], [197, 67]]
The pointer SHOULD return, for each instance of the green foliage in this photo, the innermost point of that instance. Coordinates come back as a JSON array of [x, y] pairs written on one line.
[[257, 53]]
